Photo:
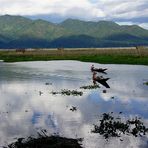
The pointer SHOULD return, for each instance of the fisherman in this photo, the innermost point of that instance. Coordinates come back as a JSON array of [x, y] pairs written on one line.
[[95, 77], [101, 70], [92, 68], [100, 80]]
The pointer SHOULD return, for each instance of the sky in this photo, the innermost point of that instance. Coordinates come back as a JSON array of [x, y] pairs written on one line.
[[124, 12]]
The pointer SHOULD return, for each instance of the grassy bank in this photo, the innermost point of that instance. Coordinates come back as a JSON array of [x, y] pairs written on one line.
[[112, 56]]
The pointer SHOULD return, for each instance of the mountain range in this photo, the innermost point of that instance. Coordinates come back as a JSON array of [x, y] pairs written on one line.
[[21, 32]]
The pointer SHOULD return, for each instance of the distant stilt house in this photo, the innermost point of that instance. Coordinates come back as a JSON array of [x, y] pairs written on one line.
[[60, 49], [21, 50], [139, 50]]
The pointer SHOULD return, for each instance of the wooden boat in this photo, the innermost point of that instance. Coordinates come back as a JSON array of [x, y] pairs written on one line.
[[100, 80], [101, 70]]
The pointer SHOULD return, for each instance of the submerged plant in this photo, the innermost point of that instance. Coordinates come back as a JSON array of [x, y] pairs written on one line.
[[114, 127], [73, 108], [55, 93], [68, 92], [47, 83], [146, 83], [90, 87], [45, 141]]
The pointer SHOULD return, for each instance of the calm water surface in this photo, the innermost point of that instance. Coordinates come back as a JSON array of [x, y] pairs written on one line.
[[27, 105]]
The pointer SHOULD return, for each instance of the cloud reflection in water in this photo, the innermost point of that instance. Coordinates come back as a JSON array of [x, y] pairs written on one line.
[[23, 110]]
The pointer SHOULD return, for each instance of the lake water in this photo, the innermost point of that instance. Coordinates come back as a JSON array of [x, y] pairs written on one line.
[[27, 105]]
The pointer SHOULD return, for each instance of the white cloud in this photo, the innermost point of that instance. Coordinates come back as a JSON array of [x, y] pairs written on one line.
[[125, 23], [82, 9], [124, 8], [62, 7], [90, 8], [144, 25]]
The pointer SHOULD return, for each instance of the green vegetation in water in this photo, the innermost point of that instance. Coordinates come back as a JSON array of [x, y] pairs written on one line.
[[45, 141], [114, 127], [146, 83], [67, 92], [90, 87], [47, 83], [73, 108]]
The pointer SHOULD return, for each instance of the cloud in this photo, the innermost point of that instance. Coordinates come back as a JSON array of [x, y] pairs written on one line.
[[90, 8], [124, 9], [84, 9], [62, 7], [144, 25]]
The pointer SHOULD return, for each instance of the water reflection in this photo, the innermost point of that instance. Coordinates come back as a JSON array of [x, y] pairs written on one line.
[[24, 110]]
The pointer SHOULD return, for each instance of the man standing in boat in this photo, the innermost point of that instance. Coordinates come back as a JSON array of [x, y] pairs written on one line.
[[101, 70], [92, 68], [100, 80]]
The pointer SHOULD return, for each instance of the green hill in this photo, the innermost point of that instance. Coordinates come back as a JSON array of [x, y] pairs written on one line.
[[102, 28], [21, 32]]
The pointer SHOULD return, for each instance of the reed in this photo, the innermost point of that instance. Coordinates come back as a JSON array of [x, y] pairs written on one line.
[[107, 55]]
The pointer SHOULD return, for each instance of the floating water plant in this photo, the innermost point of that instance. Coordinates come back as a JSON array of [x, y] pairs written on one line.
[[113, 97], [114, 127], [146, 83], [73, 108], [68, 92], [55, 93], [104, 91], [45, 141], [90, 87], [40, 93], [48, 83]]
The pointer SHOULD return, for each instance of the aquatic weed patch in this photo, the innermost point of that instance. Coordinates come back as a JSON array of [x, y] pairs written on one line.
[[146, 83], [67, 92], [111, 126], [44, 141], [90, 87], [73, 108]]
